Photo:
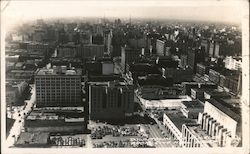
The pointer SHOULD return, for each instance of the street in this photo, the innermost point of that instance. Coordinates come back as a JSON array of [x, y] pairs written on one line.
[[19, 120]]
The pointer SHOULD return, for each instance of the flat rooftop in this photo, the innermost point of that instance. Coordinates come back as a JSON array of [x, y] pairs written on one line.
[[152, 92], [193, 104], [111, 84], [226, 108], [59, 71], [216, 93], [33, 138], [179, 119], [201, 135], [202, 79], [196, 82], [34, 43]]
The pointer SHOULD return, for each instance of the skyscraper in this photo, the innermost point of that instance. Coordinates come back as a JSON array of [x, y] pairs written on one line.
[[58, 87], [110, 100]]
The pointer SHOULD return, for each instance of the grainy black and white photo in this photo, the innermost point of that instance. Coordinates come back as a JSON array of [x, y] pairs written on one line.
[[124, 74]]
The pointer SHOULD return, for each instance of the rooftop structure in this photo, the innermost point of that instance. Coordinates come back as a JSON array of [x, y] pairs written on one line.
[[63, 70], [34, 139]]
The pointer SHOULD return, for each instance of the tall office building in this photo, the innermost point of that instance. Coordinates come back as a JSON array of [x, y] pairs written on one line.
[[90, 50], [160, 47], [195, 56], [110, 100], [214, 49], [107, 41], [205, 44], [58, 87], [80, 51], [128, 56]]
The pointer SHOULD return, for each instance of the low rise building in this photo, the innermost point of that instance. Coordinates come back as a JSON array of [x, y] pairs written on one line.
[[161, 98], [33, 139], [187, 86], [194, 137], [179, 75], [173, 121], [221, 122], [233, 63], [55, 120], [191, 109]]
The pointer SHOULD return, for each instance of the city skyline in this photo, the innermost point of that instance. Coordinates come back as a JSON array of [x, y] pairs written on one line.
[[108, 74], [210, 10]]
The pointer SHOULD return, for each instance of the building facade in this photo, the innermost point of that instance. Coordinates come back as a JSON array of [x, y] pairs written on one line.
[[232, 63], [110, 100], [219, 122], [58, 87], [160, 48]]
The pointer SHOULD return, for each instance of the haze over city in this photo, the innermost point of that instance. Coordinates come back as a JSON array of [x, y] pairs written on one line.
[[108, 74], [216, 11]]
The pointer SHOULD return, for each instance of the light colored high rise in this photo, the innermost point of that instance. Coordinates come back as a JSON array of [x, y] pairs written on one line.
[[58, 87]]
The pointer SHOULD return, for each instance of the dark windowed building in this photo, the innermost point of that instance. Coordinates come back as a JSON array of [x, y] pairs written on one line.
[[110, 100]]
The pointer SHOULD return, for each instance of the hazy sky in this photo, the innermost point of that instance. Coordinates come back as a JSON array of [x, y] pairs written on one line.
[[211, 10]]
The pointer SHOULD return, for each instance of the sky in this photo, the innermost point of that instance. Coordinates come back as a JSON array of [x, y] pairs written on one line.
[[207, 10]]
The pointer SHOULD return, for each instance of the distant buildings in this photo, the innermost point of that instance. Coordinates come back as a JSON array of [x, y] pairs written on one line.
[[38, 35], [205, 44], [214, 49], [179, 75], [214, 76], [184, 60], [187, 86], [202, 69], [160, 48], [67, 51], [138, 43], [107, 41], [110, 100], [81, 51], [231, 80], [91, 50], [128, 55], [195, 56], [233, 63], [100, 66], [16, 93], [58, 87]]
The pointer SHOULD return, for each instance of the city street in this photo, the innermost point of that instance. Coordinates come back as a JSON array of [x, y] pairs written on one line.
[[19, 120]]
